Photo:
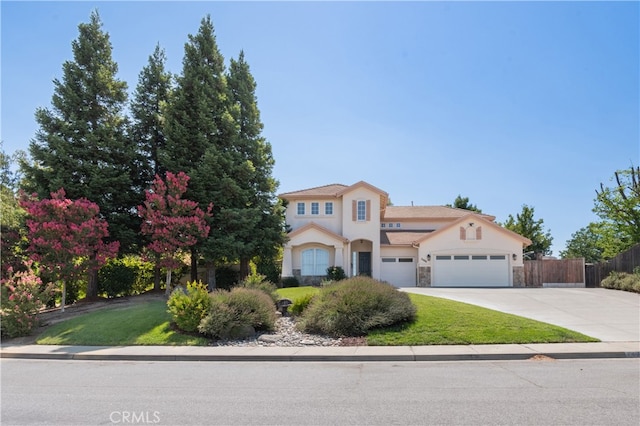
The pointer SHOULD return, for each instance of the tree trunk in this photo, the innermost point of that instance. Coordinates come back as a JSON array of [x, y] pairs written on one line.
[[211, 276], [156, 277], [64, 295], [92, 284], [167, 290], [244, 268], [194, 265]]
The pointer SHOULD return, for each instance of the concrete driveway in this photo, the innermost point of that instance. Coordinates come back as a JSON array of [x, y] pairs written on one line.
[[609, 315]]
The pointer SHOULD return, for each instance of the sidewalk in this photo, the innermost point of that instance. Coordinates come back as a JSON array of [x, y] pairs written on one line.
[[342, 353]]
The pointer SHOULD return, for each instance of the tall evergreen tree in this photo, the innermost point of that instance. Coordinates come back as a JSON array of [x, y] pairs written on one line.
[[147, 110], [263, 232], [82, 143], [200, 133]]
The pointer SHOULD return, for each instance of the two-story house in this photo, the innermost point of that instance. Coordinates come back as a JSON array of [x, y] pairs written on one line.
[[427, 246]]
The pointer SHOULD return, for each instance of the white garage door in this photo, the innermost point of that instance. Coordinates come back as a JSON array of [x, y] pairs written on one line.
[[399, 271], [471, 271]]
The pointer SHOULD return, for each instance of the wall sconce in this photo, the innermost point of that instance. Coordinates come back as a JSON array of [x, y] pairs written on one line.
[[514, 256], [428, 258]]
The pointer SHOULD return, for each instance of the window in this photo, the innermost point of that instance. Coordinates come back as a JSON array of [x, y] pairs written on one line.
[[397, 225], [406, 260], [443, 257], [315, 208], [300, 208], [315, 262], [328, 208], [388, 260], [497, 257], [382, 225], [461, 257], [478, 257], [362, 211]]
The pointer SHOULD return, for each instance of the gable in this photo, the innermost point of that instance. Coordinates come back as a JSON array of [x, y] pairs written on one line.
[[314, 233]]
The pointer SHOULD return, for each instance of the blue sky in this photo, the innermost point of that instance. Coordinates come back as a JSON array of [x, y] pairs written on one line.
[[507, 103]]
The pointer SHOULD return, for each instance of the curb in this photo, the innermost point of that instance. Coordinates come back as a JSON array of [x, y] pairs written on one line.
[[559, 351]]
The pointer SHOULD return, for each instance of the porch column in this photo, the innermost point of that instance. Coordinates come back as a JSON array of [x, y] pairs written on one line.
[[339, 257], [287, 265]]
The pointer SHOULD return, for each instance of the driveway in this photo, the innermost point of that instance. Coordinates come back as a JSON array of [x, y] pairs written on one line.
[[609, 315]]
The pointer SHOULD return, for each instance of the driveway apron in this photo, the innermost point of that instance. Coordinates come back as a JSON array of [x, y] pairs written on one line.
[[609, 315]]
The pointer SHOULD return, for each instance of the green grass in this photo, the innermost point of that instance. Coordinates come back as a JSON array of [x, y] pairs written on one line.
[[144, 324], [294, 293], [446, 322], [439, 322]]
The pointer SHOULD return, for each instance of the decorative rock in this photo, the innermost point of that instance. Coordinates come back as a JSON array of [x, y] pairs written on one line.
[[270, 338]]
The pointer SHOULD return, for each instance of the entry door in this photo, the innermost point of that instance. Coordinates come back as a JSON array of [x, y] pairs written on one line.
[[364, 263]]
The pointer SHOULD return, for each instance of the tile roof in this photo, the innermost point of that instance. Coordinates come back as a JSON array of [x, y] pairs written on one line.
[[427, 212], [319, 191], [394, 238]]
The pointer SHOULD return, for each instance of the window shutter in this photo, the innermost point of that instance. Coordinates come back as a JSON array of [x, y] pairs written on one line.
[[463, 233], [368, 212], [354, 210], [479, 233]]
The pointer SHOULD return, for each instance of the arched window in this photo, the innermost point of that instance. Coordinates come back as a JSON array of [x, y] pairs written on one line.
[[315, 262]]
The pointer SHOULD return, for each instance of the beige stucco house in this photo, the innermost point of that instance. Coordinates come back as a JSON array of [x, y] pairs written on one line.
[[426, 246]]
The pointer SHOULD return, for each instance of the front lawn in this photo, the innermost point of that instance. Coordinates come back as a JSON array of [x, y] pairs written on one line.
[[147, 323], [446, 322]]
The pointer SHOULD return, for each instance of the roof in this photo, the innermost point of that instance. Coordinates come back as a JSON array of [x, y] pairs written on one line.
[[315, 226], [401, 238], [428, 212], [473, 216], [331, 190]]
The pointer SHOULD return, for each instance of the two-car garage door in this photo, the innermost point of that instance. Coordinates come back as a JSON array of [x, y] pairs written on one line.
[[482, 270]]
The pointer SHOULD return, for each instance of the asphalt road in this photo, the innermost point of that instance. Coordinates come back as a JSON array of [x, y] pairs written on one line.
[[543, 392]]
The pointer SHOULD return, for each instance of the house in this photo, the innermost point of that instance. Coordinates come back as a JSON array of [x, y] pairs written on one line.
[[425, 246]]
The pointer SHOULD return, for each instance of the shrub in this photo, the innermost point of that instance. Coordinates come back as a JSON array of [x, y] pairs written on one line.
[[290, 282], [300, 304], [235, 311], [353, 307], [335, 273], [23, 295], [623, 281], [189, 307], [116, 278], [226, 277], [259, 282]]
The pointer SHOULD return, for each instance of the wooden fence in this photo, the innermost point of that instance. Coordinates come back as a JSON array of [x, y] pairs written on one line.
[[624, 262], [554, 273]]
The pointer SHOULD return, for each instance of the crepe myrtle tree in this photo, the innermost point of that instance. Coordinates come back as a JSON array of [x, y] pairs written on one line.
[[171, 222], [66, 237]]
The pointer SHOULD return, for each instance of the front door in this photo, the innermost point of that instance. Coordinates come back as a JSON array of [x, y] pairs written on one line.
[[364, 263]]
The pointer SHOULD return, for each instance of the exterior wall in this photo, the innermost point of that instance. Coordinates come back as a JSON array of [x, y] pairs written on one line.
[[492, 242], [518, 276], [424, 276], [331, 222], [418, 225], [363, 230]]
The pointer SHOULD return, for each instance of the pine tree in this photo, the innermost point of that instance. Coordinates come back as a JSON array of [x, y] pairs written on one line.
[[147, 110], [263, 233], [200, 133], [82, 144]]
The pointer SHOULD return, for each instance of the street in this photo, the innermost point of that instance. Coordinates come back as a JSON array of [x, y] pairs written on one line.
[[542, 392]]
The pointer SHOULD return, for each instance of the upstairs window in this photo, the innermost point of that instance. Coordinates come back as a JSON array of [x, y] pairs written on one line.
[[362, 211], [315, 208], [301, 208], [328, 208]]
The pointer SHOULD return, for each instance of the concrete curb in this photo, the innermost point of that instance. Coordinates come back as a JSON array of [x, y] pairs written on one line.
[[325, 354]]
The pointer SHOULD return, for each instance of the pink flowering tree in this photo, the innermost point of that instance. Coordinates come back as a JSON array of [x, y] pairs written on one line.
[[172, 223], [66, 237]]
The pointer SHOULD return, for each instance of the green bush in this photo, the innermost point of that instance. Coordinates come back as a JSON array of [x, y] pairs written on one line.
[[623, 281], [116, 279], [300, 304], [226, 277], [233, 312], [188, 307], [353, 307], [259, 282], [290, 282], [335, 273]]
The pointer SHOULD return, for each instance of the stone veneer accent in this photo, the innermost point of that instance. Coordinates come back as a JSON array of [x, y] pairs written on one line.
[[308, 279], [518, 276], [424, 276]]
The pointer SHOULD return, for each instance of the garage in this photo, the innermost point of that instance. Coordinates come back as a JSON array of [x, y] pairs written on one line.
[[399, 271], [466, 270]]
